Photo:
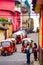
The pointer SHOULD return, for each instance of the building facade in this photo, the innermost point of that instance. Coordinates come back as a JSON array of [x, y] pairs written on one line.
[[7, 11], [3, 32], [39, 9]]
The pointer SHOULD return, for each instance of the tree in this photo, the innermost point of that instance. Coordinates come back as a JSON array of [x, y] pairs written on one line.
[[3, 20]]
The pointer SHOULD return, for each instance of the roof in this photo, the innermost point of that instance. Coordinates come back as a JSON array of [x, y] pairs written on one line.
[[5, 22], [20, 32], [3, 28], [6, 40], [10, 39], [29, 39]]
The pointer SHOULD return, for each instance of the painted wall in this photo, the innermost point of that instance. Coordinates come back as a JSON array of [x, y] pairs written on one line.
[[9, 31], [40, 39], [40, 32], [24, 20], [9, 5], [2, 37], [6, 15], [16, 21]]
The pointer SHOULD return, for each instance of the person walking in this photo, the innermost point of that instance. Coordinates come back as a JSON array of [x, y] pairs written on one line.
[[35, 51]]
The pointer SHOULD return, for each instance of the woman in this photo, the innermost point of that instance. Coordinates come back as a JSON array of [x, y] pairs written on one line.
[[35, 51]]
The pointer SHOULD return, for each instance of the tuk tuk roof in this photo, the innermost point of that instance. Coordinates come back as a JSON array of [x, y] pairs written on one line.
[[11, 39], [29, 39], [6, 40], [20, 32]]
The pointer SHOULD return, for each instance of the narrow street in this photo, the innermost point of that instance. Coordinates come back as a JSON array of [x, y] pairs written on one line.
[[21, 26], [17, 58]]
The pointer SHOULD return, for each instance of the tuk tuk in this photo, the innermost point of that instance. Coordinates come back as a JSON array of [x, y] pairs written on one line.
[[25, 42], [19, 36], [14, 44], [7, 47]]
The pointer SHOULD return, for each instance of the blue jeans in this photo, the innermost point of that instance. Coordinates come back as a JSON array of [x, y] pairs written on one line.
[[28, 58]]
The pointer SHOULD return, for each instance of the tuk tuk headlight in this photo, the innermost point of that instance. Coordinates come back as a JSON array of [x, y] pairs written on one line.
[[24, 49], [2, 49], [9, 49]]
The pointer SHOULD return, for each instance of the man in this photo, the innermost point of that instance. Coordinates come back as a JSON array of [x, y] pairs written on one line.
[[28, 54]]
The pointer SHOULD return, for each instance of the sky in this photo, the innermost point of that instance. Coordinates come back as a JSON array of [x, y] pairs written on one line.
[[34, 16]]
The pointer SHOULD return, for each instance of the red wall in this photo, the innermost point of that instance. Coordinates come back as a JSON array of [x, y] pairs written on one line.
[[9, 5], [16, 22]]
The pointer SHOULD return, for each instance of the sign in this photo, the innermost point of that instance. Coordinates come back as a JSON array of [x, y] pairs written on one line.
[[9, 20]]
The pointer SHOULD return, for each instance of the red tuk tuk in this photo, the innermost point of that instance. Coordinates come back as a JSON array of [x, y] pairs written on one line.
[[7, 47], [25, 42], [14, 44], [19, 36]]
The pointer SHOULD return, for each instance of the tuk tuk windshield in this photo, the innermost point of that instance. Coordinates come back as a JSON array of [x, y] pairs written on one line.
[[5, 44], [18, 37], [25, 42]]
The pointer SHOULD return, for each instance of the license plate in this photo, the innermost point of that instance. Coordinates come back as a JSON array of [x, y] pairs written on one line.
[[5, 51]]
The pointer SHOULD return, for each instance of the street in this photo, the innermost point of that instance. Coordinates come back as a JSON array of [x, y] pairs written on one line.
[[17, 58]]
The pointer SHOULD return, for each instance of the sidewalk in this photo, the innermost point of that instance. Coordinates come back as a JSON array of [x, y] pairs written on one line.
[[36, 63]]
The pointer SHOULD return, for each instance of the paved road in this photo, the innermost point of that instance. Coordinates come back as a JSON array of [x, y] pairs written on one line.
[[17, 58]]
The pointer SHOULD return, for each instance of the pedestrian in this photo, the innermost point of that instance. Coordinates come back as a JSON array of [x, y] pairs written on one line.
[[28, 54], [35, 51]]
